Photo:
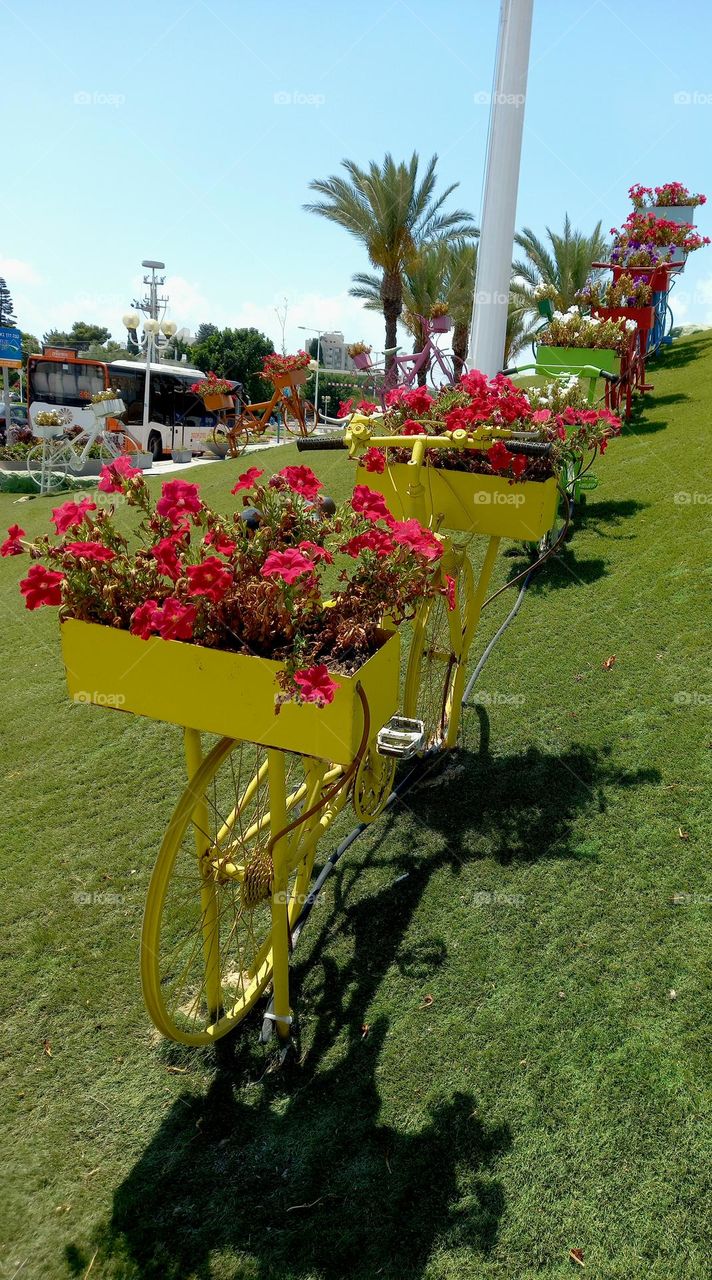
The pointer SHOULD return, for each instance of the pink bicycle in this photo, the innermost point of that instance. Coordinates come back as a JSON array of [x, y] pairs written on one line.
[[404, 369]]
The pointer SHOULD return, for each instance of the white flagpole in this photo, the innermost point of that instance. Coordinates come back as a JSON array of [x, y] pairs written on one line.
[[499, 206]]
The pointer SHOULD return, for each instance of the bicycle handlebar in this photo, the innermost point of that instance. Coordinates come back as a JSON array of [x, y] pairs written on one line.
[[458, 440], [580, 371], [324, 442]]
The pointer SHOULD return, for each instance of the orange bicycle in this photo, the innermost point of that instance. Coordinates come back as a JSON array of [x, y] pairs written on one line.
[[250, 421]]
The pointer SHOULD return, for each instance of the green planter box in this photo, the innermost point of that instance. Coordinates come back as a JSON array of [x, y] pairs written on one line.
[[570, 359]]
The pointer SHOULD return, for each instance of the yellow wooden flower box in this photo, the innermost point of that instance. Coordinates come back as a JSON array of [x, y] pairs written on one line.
[[225, 693], [469, 502]]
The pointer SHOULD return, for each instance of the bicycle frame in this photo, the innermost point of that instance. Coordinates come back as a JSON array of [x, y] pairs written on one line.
[[295, 822]]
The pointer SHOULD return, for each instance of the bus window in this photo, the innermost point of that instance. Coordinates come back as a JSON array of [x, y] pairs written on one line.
[[71, 384], [131, 386]]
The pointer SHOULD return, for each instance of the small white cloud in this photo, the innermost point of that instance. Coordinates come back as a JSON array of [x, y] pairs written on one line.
[[15, 272]]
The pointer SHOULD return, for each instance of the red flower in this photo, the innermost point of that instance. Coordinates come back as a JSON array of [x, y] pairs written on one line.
[[541, 415], [211, 578], [605, 415], [287, 565], [302, 480], [366, 406], [395, 397], [474, 383], [315, 684], [247, 480], [71, 514], [315, 552], [418, 400], [374, 460], [499, 456], [370, 504], [95, 551], [412, 428], [458, 419], [112, 477], [178, 498], [41, 586], [165, 553], [143, 619], [345, 408], [410, 533], [12, 545], [449, 591], [377, 540], [519, 465], [175, 621], [220, 541]]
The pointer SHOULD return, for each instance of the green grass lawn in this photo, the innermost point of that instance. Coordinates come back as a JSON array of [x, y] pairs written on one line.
[[504, 1013]]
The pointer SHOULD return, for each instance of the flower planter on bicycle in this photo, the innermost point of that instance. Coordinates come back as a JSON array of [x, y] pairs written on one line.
[[221, 626], [250, 421]]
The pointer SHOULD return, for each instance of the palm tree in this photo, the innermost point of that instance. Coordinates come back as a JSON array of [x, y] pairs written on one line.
[[393, 214], [423, 284], [460, 272], [446, 273], [566, 265]]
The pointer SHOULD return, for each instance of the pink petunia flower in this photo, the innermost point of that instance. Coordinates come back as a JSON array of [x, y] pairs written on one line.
[[287, 565], [95, 551], [378, 540], [374, 460], [165, 553], [175, 621], [369, 503], [71, 514], [41, 586], [113, 476], [410, 533], [315, 684], [302, 480], [211, 578], [12, 545], [143, 619], [247, 480], [315, 552], [178, 499]]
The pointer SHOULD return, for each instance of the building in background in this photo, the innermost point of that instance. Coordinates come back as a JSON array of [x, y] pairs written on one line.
[[332, 350]]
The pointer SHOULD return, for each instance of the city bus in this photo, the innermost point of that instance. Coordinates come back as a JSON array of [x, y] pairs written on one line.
[[177, 419]]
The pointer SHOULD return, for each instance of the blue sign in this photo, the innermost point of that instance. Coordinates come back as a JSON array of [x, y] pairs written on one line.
[[10, 346]]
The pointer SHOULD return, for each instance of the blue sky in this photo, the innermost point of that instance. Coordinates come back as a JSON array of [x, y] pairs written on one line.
[[189, 131]]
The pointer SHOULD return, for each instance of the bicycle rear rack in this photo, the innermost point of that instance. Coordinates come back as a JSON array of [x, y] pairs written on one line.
[[401, 737]]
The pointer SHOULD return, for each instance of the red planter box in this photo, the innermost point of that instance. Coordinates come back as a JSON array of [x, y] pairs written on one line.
[[644, 316]]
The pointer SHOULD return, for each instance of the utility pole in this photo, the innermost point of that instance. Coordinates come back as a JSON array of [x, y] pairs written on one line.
[[499, 206]]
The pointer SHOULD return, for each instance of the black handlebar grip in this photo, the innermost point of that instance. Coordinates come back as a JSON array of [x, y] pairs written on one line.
[[536, 449], [322, 442], [507, 373], [609, 377]]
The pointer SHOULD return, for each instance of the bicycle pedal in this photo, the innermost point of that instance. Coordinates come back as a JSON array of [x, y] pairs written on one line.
[[401, 737]]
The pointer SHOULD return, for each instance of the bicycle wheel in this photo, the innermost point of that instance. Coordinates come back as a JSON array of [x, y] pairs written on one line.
[[436, 665], [298, 416], [206, 944], [50, 473], [231, 436]]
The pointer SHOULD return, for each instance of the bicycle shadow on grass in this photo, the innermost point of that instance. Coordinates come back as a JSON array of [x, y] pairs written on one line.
[[563, 569], [604, 518], [294, 1175], [299, 1178]]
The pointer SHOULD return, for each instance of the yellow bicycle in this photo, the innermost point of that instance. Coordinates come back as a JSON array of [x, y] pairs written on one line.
[[235, 865]]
